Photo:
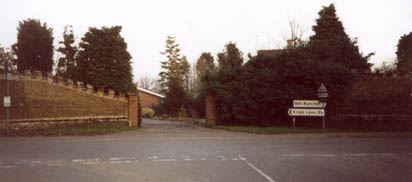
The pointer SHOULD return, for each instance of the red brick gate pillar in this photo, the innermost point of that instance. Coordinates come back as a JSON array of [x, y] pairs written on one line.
[[133, 110], [210, 110]]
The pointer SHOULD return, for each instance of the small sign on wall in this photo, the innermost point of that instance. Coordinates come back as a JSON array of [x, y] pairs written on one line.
[[7, 101], [9, 76]]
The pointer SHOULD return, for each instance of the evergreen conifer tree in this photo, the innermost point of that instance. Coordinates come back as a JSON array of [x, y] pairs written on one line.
[[172, 78], [103, 60], [34, 47], [66, 64], [330, 43], [404, 53]]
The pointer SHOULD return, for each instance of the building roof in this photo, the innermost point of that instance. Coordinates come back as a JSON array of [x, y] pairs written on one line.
[[150, 92], [271, 52]]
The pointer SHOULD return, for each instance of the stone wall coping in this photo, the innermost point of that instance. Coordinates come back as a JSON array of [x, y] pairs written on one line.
[[27, 75], [63, 119]]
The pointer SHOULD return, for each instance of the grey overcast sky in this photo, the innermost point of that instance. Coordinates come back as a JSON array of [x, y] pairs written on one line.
[[207, 25]]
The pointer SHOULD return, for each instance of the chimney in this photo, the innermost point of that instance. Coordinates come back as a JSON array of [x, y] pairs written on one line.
[[290, 43]]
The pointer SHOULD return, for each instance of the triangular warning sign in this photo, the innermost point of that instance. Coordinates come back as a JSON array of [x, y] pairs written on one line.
[[322, 88]]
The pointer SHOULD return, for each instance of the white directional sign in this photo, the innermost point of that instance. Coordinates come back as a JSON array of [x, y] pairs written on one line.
[[306, 112], [308, 103], [7, 101]]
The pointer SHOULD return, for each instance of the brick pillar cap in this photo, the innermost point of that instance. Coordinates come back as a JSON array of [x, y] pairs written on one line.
[[131, 94]]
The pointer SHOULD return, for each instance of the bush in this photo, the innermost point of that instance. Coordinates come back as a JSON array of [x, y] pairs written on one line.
[[182, 113], [148, 112]]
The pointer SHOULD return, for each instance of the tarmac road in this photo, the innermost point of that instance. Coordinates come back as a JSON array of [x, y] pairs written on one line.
[[174, 151]]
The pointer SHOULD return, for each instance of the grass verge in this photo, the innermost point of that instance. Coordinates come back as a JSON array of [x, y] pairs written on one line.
[[70, 130], [273, 130]]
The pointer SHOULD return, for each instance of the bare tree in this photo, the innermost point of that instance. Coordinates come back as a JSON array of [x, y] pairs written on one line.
[[157, 87], [296, 31], [295, 35], [387, 66], [6, 56], [146, 82]]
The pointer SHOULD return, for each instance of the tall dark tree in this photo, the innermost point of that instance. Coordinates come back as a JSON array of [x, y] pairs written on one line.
[[34, 47], [331, 44], [230, 59], [404, 53], [103, 60], [66, 64], [205, 62], [224, 82], [185, 67], [171, 68], [172, 78]]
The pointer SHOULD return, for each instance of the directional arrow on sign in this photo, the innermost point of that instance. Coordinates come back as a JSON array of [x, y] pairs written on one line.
[[306, 112]]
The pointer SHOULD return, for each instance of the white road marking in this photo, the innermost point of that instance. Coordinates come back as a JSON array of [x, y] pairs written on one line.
[[35, 163], [120, 162], [188, 159], [358, 154], [222, 157], [324, 155], [202, 159], [164, 160], [121, 158], [91, 163], [259, 171], [7, 167], [293, 155], [153, 157], [84, 160]]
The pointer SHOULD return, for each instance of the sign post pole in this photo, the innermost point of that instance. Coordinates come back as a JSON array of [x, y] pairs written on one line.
[[294, 122], [323, 95], [323, 120], [7, 94]]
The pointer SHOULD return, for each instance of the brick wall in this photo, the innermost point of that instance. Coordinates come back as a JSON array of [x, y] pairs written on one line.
[[147, 100], [210, 110], [34, 97]]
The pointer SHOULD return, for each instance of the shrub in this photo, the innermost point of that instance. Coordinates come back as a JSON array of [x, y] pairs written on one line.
[[182, 113], [148, 112]]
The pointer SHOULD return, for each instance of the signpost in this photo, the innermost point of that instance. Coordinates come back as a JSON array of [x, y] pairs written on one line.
[[7, 101], [310, 108], [306, 112], [308, 103], [322, 95], [7, 98], [9, 76]]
